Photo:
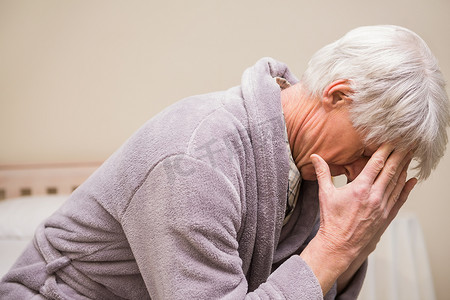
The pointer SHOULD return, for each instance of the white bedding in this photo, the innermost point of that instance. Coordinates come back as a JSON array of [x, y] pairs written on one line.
[[19, 217], [398, 269]]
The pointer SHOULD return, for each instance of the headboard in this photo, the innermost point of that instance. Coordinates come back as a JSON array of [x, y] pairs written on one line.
[[43, 179]]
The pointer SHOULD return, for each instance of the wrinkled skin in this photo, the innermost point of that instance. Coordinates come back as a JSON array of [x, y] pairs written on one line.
[[354, 217]]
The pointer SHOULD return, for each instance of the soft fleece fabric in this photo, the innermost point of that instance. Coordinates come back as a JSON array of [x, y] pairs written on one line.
[[191, 207]]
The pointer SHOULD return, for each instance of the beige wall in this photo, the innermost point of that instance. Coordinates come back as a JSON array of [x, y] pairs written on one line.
[[78, 77]]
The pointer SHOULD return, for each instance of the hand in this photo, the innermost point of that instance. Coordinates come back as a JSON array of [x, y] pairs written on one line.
[[345, 278], [354, 217]]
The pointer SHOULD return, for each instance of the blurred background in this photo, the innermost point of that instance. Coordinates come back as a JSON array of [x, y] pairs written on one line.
[[77, 78]]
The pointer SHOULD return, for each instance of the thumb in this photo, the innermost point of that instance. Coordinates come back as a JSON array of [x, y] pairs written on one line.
[[322, 172]]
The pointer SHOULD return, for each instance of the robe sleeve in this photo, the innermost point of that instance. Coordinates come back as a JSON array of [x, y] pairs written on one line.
[[353, 288], [182, 226]]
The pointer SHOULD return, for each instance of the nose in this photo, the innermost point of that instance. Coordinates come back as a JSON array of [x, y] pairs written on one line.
[[352, 170]]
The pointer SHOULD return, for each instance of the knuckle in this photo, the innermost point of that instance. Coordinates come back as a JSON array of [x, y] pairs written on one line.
[[320, 172], [376, 202], [391, 171], [394, 180], [361, 191], [395, 196], [385, 215], [378, 163]]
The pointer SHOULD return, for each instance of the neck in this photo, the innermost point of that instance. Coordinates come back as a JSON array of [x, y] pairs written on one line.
[[302, 114]]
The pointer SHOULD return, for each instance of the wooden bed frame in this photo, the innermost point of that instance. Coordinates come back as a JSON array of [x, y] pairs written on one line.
[[43, 179]]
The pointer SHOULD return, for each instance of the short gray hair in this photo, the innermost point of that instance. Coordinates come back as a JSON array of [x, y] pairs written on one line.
[[399, 91]]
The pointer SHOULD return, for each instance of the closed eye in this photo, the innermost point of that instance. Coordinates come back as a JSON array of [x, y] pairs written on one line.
[[369, 151]]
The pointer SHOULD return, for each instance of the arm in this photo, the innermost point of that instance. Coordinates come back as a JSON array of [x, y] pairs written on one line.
[[354, 217], [182, 225], [183, 233]]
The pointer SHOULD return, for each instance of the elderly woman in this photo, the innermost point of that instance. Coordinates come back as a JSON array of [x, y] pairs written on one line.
[[218, 196]]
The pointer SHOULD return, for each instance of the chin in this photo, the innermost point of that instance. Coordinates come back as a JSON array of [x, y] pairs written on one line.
[[308, 172]]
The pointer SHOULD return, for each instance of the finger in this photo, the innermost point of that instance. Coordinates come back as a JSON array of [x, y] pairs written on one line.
[[390, 171], [375, 164], [403, 167], [322, 172], [409, 185], [395, 209], [391, 199]]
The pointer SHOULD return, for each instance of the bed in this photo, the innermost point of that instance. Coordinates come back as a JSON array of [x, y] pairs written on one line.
[[29, 194], [398, 269]]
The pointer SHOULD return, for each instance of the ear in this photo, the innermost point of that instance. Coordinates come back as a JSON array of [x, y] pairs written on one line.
[[337, 94]]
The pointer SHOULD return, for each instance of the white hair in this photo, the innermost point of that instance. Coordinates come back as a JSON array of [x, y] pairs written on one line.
[[399, 92]]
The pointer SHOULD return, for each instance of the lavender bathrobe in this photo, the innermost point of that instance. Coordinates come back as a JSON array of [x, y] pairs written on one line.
[[190, 207]]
